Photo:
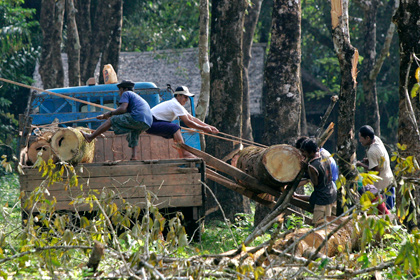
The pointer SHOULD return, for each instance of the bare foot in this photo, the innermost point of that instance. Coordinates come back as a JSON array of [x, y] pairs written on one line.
[[133, 158], [86, 137]]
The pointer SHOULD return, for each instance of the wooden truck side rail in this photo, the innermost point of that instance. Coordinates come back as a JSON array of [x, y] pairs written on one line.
[[174, 183]]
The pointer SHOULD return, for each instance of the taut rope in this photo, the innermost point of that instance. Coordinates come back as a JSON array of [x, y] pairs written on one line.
[[237, 139]]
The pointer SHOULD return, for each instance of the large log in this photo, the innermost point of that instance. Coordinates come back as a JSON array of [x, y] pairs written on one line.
[[70, 146], [40, 145], [275, 166]]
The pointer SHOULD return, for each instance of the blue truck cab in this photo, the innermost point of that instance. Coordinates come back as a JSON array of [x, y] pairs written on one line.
[[48, 107]]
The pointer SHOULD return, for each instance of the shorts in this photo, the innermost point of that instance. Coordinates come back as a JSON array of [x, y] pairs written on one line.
[[163, 128], [320, 212], [125, 123]]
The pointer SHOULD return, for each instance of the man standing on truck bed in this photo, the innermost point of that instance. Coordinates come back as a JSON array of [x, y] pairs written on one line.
[[165, 112], [133, 116]]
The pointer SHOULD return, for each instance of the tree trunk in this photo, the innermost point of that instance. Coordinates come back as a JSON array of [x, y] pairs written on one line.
[[84, 26], [203, 62], [250, 22], [111, 50], [69, 145], [51, 64], [275, 166], [226, 91], [281, 99], [407, 20], [348, 57], [371, 109], [281, 91], [73, 45]]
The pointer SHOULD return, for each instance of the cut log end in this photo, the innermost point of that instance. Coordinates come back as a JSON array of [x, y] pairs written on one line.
[[42, 146], [70, 146], [283, 162]]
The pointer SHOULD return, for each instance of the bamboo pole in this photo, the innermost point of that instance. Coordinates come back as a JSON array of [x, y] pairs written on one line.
[[56, 94]]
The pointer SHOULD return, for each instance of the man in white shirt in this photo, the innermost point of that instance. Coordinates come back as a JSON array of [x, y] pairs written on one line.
[[165, 112], [378, 160]]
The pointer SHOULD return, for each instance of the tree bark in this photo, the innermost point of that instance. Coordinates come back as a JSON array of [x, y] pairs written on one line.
[[204, 64], [275, 166], [111, 50], [84, 26], [203, 61], [51, 64], [73, 45], [348, 57], [250, 22], [407, 20], [226, 91], [281, 100]]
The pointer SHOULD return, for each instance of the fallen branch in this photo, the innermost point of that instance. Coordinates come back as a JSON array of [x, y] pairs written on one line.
[[39, 249]]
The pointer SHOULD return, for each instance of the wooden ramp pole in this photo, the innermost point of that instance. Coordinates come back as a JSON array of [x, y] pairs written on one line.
[[248, 182], [220, 179]]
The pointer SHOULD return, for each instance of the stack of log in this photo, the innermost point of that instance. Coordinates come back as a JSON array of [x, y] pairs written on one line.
[[65, 144]]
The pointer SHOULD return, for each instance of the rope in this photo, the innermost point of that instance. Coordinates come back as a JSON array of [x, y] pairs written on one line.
[[56, 94], [239, 140], [81, 120]]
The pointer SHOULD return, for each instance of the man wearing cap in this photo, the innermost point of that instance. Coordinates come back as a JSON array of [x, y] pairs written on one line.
[[165, 112], [133, 116]]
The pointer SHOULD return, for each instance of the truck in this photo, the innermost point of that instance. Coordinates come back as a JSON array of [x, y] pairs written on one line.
[[176, 182]]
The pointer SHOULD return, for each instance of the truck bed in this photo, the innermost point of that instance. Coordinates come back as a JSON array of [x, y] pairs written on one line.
[[175, 182]]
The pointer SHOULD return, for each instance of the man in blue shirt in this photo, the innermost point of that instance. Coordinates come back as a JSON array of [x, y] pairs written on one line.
[[133, 116]]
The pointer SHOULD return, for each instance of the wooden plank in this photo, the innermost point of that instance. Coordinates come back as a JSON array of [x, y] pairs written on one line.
[[99, 148], [126, 192], [118, 148], [173, 153], [159, 148], [122, 181], [214, 176], [245, 179], [108, 147], [248, 193], [135, 168], [184, 201], [145, 151]]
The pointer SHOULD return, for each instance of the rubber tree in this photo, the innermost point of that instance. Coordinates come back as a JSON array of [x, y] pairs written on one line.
[[51, 22], [282, 96], [251, 19], [407, 20], [348, 57], [372, 63], [226, 89], [281, 99]]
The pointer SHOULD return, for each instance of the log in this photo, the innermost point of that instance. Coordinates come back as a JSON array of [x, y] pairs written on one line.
[[40, 145], [275, 166], [70, 145]]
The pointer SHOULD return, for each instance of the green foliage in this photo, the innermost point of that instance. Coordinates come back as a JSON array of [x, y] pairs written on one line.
[[125, 230], [220, 237], [158, 25], [18, 54], [406, 166]]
